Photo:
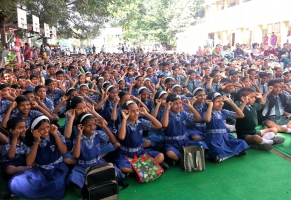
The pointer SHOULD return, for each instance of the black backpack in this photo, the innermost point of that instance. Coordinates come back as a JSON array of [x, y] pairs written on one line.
[[101, 183]]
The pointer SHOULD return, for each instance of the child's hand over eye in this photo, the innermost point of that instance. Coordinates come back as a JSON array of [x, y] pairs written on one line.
[[71, 113], [208, 102], [158, 102], [101, 122], [187, 102], [169, 105], [259, 95], [270, 89], [226, 99], [15, 134], [143, 111], [125, 114], [116, 100], [54, 130], [80, 129], [36, 136]]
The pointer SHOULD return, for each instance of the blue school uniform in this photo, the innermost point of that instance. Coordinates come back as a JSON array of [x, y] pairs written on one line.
[[149, 104], [131, 145], [176, 133], [20, 154], [156, 136], [134, 91], [32, 114], [89, 156], [49, 104], [129, 80], [47, 178], [106, 111], [200, 127], [55, 97], [218, 139]]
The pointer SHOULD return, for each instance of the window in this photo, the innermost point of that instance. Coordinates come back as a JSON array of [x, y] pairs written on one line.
[[277, 27], [270, 28]]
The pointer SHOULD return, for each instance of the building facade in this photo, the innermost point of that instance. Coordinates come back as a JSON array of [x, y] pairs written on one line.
[[239, 21]]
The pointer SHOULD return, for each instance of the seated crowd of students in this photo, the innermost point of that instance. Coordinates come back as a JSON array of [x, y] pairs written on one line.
[[111, 101]]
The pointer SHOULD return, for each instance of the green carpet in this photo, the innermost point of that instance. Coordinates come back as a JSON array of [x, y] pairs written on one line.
[[258, 175], [61, 121], [284, 148]]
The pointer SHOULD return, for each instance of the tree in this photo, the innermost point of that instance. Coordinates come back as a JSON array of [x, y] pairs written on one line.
[[158, 19], [81, 19]]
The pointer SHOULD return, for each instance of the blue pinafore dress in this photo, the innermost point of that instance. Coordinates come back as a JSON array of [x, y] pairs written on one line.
[[156, 136], [131, 145], [176, 133], [47, 178], [89, 156], [199, 128], [218, 139]]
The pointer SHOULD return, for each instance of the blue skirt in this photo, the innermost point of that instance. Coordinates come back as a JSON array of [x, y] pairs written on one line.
[[195, 132], [78, 173], [157, 138], [121, 156], [222, 145], [19, 161], [38, 183], [177, 145]]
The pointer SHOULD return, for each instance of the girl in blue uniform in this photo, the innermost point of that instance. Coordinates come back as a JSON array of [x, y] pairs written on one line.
[[221, 145], [156, 136], [130, 136], [47, 178], [136, 84], [14, 153], [197, 131], [175, 121], [87, 147], [144, 94]]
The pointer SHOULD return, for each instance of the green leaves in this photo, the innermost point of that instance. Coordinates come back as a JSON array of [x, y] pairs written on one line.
[[157, 20]]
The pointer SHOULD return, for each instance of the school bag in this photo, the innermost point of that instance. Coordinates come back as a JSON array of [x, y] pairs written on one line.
[[272, 102], [146, 168], [192, 158], [101, 182]]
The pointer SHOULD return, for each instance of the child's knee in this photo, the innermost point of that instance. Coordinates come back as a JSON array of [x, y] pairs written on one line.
[[196, 138], [270, 123], [274, 130], [257, 138], [160, 158], [172, 155]]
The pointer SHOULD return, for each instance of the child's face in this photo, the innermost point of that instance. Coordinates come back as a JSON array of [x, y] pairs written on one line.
[[216, 78], [83, 90], [100, 82], [287, 77], [192, 76], [80, 108], [139, 82], [31, 96], [24, 107], [252, 98], [7, 77], [73, 94], [150, 72], [169, 84], [278, 72], [113, 93], [218, 103], [234, 78], [130, 72], [106, 77], [264, 79], [60, 77], [90, 127], [21, 127], [51, 86], [247, 82], [177, 90], [144, 95], [177, 106], [276, 88], [133, 112], [34, 80], [252, 75], [124, 99], [163, 99], [82, 79], [44, 129], [41, 93], [200, 96]]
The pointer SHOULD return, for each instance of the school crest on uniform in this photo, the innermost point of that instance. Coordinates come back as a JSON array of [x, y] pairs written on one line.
[[184, 122], [53, 147], [140, 132]]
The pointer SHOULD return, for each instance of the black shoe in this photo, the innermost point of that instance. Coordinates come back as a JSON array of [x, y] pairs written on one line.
[[164, 165], [217, 160], [278, 140], [78, 191], [5, 194], [243, 153]]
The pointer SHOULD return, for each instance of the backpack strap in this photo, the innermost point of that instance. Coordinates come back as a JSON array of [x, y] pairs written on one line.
[[283, 98], [271, 104]]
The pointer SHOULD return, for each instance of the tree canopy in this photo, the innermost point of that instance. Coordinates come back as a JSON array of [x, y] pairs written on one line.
[[157, 20]]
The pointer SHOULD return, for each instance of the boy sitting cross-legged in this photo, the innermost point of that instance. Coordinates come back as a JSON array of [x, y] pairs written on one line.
[[245, 127]]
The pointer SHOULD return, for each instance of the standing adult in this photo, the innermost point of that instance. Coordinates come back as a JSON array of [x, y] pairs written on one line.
[[27, 52], [48, 50], [265, 40], [17, 52], [94, 49], [5, 52], [273, 39]]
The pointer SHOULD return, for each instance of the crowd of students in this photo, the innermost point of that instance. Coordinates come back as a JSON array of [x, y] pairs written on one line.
[[110, 102]]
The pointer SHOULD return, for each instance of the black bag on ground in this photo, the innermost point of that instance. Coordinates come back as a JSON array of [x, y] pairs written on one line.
[[101, 183], [192, 158]]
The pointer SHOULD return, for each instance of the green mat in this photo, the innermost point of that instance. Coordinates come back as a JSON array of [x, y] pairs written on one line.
[[258, 175], [284, 148]]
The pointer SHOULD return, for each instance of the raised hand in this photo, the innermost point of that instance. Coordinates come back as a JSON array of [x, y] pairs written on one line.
[[143, 111], [36, 136], [125, 114], [169, 105], [80, 129], [208, 102], [158, 102], [54, 130], [187, 102], [15, 133]]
